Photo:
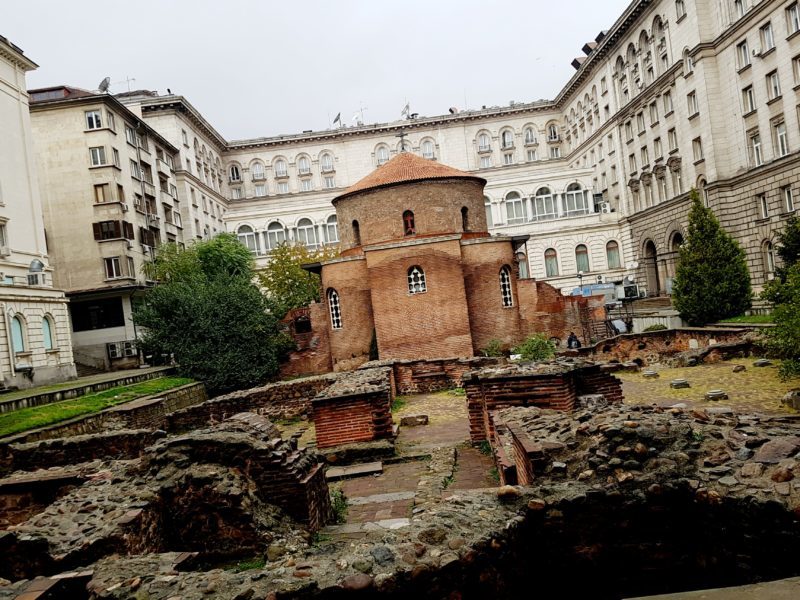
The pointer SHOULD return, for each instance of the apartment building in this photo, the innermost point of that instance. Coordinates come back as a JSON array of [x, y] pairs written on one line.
[[35, 344], [110, 200]]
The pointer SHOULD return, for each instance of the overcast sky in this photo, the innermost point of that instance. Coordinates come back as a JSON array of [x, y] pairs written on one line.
[[265, 68]]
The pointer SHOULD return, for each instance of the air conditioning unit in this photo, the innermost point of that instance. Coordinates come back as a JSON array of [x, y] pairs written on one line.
[[130, 245], [124, 207], [756, 51], [605, 207], [4, 251], [601, 279], [35, 278]]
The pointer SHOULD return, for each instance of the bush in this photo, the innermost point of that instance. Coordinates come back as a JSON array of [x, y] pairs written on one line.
[[783, 340], [493, 348], [536, 347], [656, 327], [338, 504], [711, 280]]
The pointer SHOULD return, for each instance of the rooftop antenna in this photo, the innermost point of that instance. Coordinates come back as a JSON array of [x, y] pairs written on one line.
[[402, 135], [127, 80], [103, 87]]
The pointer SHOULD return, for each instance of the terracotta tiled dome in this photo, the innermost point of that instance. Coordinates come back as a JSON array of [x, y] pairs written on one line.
[[403, 168]]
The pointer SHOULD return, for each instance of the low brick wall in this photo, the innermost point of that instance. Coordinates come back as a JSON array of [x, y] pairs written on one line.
[[432, 375], [357, 408], [281, 400], [145, 413], [23, 497], [551, 385], [80, 390]]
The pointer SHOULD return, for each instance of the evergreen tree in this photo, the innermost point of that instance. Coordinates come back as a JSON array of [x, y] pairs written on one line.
[[711, 281], [788, 247]]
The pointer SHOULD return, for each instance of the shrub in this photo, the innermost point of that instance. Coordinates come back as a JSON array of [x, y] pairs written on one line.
[[536, 347], [339, 505], [493, 348], [656, 327]]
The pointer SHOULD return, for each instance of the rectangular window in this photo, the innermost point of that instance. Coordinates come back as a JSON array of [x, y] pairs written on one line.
[[767, 38], [261, 190], [792, 18], [107, 230], [136, 172], [653, 113], [613, 174], [508, 159], [763, 206], [672, 139], [781, 139], [486, 162], [697, 149], [184, 138], [283, 187], [143, 143], [112, 121], [668, 108], [555, 152], [603, 85], [120, 193], [632, 162], [640, 122], [756, 156], [748, 99], [645, 157], [532, 154], [788, 198], [131, 267], [97, 156], [115, 155], [330, 183], [691, 100], [305, 185], [101, 193], [93, 120], [112, 266], [236, 193], [773, 86], [658, 151], [130, 135], [628, 131], [742, 54]]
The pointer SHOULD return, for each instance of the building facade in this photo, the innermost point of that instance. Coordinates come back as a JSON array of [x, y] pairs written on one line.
[[110, 200], [35, 343]]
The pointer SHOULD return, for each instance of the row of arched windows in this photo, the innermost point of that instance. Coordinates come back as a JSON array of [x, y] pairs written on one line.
[[544, 205], [304, 232], [530, 136], [582, 264], [280, 167], [19, 334], [427, 149]]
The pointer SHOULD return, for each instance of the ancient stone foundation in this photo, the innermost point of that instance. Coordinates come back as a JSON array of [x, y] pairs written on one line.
[[433, 375]]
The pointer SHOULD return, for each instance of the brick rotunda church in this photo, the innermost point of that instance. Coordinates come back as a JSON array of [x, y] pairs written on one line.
[[419, 271]]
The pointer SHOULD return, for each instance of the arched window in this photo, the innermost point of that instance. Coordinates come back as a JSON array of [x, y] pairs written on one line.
[[276, 235], [769, 260], [356, 233], [307, 233], [248, 237], [332, 229], [612, 255], [552, 132], [505, 286], [464, 218], [326, 162], [581, 259], [427, 149], [515, 208], [544, 205], [484, 143], [47, 333], [507, 139], [409, 228], [382, 155], [235, 174], [303, 165], [335, 309], [688, 62], [575, 201], [551, 263], [487, 205], [17, 334], [280, 168], [416, 280], [257, 169], [530, 135]]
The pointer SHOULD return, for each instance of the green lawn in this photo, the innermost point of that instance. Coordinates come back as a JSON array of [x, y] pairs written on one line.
[[749, 319], [47, 414]]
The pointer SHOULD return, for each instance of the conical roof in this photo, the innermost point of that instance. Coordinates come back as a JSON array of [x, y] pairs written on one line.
[[403, 168]]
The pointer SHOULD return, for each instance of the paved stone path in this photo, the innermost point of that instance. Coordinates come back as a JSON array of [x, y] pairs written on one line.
[[473, 470]]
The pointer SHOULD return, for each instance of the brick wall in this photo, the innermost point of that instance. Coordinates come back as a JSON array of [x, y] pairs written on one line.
[[544, 309], [23, 497], [281, 400], [312, 355], [424, 376]]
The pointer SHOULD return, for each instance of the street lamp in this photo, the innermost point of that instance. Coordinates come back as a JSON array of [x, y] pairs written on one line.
[[580, 280]]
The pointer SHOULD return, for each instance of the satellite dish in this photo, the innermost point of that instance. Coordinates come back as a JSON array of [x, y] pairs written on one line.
[[103, 87]]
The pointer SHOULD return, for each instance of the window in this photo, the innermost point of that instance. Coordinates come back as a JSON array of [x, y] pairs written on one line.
[[769, 260], [130, 135], [691, 100], [603, 85], [507, 139], [781, 139], [667, 99], [697, 149], [532, 156], [544, 205], [326, 163], [283, 187], [113, 268], [260, 190], [276, 235], [248, 238], [555, 152], [756, 156], [763, 205], [97, 156], [505, 286], [47, 334], [788, 198], [280, 168], [115, 157], [612, 255], [257, 169], [356, 233], [330, 183], [552, 133], [738, 9], [575, 200], [688, 63], [93, 120], [409, 228], [487, 206], [773, 86], [582, 259], [672, 138], [628, 131], [17, 334], [748, 99], [306, 185], [416, 280], [680, 9], [515, 208], [632, 162], [792, 18], [530, 136], [235, 173], [332, 229], [645, 154], [653, 113], [551, 263], [640, 122], [486, 162], [658, 151], [112, 122], [307, 233], [101, 193], [335, 309], [110, 230], [236, 193], [742, 54], [382, 155], [184, 138], [483, 143], [767, 38], [508, 158]]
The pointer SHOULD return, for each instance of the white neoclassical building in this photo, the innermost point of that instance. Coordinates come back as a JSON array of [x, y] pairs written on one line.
[[35, 342]]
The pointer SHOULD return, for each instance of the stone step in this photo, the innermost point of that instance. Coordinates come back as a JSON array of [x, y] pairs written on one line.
[[359, 470]]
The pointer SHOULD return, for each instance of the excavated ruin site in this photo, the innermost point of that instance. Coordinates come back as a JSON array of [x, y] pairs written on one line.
[[487, 480]]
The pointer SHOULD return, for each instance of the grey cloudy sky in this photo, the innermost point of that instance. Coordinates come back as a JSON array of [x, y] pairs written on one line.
[[264, 68]]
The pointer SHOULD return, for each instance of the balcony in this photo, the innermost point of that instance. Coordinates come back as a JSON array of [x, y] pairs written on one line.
[[484, 149], [281, 174], [259, 176], [149, 189], [163, 167], [153, 220]]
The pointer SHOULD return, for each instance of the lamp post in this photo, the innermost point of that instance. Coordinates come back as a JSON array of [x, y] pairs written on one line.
[[580, 281]]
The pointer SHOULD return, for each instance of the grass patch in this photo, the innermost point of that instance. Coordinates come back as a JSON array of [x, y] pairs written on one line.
[[248, 565], [762, 319], [48, 414], [485, 448], [399, 403], [495, 475]]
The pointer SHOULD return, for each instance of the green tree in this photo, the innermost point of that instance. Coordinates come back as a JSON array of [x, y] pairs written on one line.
[[711, 280], [536, 347], [209, 314], [788, 249], [287, 284]]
